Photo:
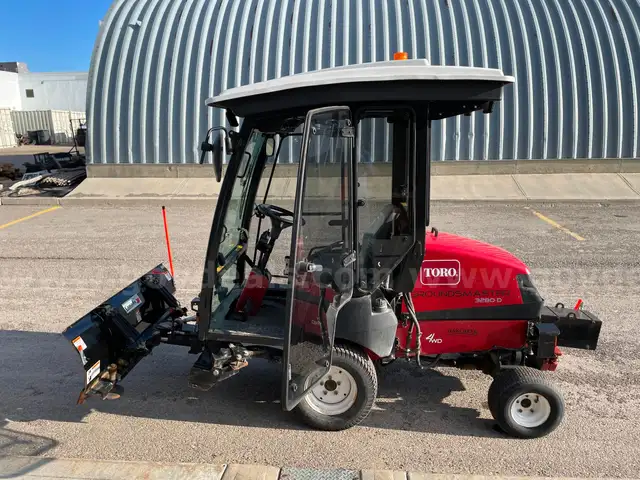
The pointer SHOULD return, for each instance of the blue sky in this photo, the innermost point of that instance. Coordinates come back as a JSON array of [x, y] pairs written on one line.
[[50, 35]]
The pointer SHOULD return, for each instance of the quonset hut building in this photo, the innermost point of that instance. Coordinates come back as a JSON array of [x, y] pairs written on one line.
[[576, 63]]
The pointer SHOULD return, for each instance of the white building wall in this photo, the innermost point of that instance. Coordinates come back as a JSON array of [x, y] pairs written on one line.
[[7, 137], [54, 91], [10, 91]]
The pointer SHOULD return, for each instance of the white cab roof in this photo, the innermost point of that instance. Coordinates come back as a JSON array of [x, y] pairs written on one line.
[[395, 70]]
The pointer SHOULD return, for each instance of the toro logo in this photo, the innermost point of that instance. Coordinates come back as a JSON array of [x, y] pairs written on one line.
[[440, 272]]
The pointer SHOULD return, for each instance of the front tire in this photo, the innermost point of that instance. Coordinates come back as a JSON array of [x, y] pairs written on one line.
[[345, 395], [525, 403]]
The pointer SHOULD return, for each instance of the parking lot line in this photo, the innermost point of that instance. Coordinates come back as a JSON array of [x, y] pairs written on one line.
[[29, 217], [557, 225]]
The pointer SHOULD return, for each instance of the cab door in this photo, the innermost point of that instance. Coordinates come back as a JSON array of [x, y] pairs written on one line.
[[321, 259]]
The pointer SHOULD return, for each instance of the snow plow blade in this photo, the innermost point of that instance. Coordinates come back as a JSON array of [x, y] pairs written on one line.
[[116, 335]]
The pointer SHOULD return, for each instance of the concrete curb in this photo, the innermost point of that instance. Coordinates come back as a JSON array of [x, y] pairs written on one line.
[[533, 187], [461, 167], [478, 187], [39, 467], [211, 202]]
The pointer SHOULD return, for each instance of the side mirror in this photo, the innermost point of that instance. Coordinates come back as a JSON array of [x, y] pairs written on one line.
[[218, 140], [214, 147]]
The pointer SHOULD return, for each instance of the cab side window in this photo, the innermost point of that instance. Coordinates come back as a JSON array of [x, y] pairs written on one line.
[[385, 220]]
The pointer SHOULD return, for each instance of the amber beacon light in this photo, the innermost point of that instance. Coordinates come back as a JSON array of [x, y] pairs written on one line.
[[401, 56]]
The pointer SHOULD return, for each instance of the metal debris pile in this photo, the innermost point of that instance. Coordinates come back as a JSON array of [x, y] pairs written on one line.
[[8, 170], [50, 175]]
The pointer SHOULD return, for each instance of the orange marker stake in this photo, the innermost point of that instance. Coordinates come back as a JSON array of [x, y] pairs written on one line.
[[578, 305], [166, 234]]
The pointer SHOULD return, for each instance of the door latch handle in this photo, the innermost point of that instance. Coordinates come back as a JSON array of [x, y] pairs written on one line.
[[307, 267], [348, 259]]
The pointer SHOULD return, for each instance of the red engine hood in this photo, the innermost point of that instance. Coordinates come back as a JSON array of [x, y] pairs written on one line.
[[461, 278], [447, 245]]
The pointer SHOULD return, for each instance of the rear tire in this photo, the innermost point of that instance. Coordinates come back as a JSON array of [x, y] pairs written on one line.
[[324, 409], [525, 403]]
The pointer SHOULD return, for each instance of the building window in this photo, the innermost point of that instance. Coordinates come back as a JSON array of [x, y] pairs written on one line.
[[29, 92]]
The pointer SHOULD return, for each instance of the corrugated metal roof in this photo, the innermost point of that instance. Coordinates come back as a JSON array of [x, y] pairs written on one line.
[[576, 95]]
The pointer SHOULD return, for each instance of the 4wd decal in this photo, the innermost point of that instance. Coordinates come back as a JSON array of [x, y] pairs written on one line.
[[431, 338], [440, 272]]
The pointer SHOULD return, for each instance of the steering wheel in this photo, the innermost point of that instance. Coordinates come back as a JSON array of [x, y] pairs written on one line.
[[279, 214]]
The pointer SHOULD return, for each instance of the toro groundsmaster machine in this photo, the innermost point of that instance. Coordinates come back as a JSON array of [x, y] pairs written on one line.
[[336, 272]]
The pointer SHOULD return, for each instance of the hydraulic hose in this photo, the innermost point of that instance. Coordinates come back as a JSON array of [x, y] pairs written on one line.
[[414, 320]]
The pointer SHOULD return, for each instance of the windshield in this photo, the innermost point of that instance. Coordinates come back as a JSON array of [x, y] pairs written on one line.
[[233, 234], [235, 238], [240, 249]]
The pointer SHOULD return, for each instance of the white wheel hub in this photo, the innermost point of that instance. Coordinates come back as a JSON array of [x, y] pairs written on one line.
[[530, 410], [335, 394]]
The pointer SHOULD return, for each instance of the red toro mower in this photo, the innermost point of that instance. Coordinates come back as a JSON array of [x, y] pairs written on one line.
[[337, 273]]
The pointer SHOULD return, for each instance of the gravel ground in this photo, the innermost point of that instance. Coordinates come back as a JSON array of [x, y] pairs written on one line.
[[57, 266]]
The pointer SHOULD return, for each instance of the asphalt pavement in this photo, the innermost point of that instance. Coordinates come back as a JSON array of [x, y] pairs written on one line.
[[56, 266]]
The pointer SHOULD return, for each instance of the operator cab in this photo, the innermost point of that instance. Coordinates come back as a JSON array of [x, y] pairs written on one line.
[[308, 221]]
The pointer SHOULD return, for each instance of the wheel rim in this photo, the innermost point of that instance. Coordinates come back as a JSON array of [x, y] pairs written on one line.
[[335, 394], [530, 410]]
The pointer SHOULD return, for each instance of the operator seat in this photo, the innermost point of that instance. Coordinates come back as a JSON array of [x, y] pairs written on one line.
[[392, 221], [395, 221]]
